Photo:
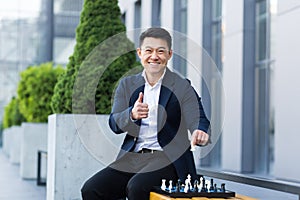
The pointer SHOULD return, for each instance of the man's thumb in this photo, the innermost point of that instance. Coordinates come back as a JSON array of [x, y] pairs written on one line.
[[140, 99]]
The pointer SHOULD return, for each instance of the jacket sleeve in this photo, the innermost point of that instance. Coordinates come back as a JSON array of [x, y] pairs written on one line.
[[193, 111], [119, 120]]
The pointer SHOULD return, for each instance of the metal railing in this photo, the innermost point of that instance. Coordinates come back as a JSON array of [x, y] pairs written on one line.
[[40, 180], [283, 186]]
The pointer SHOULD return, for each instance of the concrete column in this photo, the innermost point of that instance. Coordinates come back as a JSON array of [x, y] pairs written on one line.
[[287, 91], [233, 85]]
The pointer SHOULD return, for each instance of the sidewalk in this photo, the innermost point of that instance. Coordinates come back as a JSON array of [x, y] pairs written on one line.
[[13, 187]]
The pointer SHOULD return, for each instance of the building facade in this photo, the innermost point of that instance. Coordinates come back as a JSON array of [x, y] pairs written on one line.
[[239, 56]]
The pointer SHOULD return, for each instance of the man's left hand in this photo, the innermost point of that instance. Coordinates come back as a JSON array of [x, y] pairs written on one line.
[[199, 138]]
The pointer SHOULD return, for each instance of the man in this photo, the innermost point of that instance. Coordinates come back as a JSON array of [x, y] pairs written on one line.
[[155, 109]]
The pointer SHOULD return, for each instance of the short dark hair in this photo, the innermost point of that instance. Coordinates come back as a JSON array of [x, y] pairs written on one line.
[[157, 32]]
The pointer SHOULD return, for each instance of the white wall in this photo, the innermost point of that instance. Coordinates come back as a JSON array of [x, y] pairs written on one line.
[[194, 45], [287, 91], [146, 13], [232, 80]]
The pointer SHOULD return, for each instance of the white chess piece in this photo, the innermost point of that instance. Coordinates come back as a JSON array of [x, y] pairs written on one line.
[[201, 183], [189, 178], [208, 184], [193, 147], [163, 184], [186, 186], [170, 186]]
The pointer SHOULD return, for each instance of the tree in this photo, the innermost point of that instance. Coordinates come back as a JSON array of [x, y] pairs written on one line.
[[35, 91], [12, 115], [102, 55]]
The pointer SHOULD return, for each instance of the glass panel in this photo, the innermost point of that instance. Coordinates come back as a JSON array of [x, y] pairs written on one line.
[[261, 30], [264, 128]]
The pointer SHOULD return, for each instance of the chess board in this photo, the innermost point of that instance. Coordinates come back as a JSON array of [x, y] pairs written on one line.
[[177, 194], [201, 188]]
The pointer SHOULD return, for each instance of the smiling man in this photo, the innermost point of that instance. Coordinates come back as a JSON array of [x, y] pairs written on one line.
[[155, 109]]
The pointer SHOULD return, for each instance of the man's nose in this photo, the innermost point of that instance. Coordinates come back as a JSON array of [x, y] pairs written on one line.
[[154, 55]]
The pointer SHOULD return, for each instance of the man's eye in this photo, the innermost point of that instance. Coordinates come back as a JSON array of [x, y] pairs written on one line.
[[161, 51]]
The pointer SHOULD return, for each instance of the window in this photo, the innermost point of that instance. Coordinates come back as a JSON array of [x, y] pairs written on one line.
[[264, 132], [156, 13], [137, 21], [212, 43], [180, 43]]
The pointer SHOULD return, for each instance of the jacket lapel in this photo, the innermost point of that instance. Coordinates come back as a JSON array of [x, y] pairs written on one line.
[[165, 94]]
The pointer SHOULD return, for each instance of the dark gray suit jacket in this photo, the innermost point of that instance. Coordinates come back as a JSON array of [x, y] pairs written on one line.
[[180, 109]]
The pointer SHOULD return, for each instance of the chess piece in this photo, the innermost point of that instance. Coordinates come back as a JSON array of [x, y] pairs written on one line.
[[195, 189], [170, 186], [215, 188], [193, 147], [178, 186], [189, 182], [186, 186], [163, 185], [203, 189], [207, 183], [211, 188], [200, 184], [223, 187]]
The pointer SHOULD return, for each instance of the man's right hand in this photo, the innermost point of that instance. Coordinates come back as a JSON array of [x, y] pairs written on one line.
[[140, 110]]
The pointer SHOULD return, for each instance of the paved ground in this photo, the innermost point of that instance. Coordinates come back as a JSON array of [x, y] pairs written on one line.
[[13, 187]]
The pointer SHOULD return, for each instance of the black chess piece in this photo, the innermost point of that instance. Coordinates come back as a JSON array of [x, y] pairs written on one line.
[[223, 187], [203, 189], [215, 188], [211, 185], [178, 185], [195, 189]]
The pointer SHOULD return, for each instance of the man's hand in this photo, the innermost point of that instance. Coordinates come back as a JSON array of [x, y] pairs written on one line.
[[140, 110], [199, 138]]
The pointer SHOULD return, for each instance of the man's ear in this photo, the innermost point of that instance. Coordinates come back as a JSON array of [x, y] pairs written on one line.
[[170, 53], [138, 51]]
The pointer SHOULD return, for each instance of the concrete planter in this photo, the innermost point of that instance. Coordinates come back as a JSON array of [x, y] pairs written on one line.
[[11, 143], [7, 138], [34, 138], [78, 146], [15, 144]]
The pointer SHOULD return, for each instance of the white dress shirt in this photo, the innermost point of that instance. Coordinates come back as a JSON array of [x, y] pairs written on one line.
[[148, 132]]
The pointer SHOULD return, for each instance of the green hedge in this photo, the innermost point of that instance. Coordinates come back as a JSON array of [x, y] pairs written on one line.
[[99, 21], [35, 91], [12, 115]]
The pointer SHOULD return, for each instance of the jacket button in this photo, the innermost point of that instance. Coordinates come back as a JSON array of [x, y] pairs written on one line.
[[134, 139]]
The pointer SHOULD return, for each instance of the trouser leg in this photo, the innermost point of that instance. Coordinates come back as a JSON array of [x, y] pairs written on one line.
[[158, 167], [105, 185]]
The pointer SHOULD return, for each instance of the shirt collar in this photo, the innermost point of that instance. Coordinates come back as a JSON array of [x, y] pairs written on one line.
[[159, 80]]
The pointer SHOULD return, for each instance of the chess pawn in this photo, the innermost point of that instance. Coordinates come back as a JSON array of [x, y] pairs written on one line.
[[207, 183], [200, 184], [178, 185], [163, 185], [215, 188], [170, 186], [195, 189], [223, 187]]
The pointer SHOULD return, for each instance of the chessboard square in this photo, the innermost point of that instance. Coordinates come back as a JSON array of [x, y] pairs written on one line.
[[156, 196]]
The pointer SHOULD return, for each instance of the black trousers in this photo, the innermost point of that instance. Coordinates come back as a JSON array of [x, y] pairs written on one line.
[[132, 176]]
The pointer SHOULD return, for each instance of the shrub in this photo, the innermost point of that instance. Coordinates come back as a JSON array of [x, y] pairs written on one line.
[[35, 91], [12, 115], [99, 21]]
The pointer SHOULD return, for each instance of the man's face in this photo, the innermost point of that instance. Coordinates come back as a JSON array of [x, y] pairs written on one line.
[[154, 54]]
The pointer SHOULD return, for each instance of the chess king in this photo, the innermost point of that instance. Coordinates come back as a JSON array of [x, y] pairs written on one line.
[[155, 109]]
